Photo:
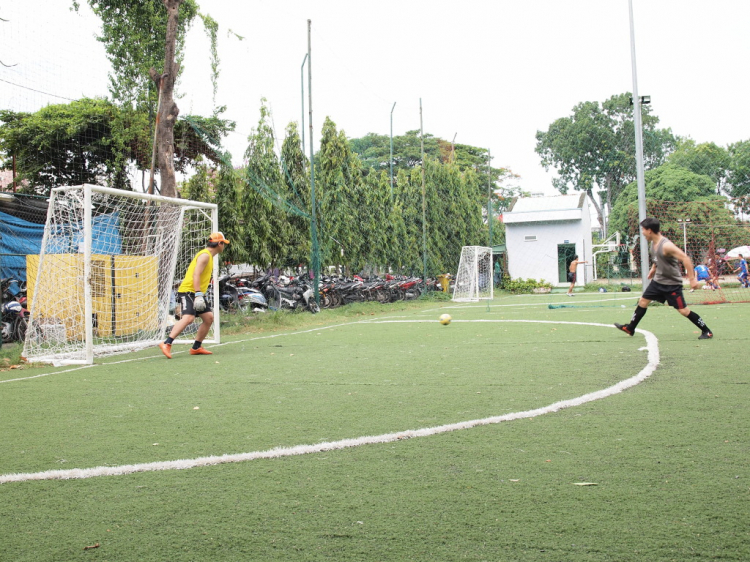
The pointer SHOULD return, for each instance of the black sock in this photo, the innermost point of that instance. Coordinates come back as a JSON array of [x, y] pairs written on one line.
[[639, 313], [197, 344], [168, 341], [698, 321]]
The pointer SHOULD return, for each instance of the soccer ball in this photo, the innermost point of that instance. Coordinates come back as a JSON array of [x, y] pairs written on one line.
[[445, 319]]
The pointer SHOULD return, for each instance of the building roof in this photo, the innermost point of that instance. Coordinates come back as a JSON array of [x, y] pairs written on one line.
[[546, 209]]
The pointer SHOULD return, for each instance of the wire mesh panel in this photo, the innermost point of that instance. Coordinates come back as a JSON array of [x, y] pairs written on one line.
[[105, 278], [711, 235]]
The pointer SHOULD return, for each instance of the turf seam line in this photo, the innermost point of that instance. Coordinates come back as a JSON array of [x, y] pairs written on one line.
[[278, 452]]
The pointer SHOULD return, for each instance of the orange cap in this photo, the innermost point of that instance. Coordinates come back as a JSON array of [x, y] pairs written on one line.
[[218, 237]]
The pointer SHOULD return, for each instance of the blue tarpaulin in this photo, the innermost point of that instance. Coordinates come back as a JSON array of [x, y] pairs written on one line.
[[18, 237], [23, 237]]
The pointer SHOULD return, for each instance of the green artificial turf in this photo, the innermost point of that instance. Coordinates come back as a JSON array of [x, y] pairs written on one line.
[[666, 461]]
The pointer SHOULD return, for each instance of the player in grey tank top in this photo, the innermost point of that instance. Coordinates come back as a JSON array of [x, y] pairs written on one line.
[[666, 284], [667, 267]]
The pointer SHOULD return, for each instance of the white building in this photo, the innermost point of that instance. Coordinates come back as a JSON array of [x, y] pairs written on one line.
[[542, 235]]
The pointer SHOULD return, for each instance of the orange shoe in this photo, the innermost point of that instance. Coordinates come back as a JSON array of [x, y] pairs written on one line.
[[200, 351], [166, 349]]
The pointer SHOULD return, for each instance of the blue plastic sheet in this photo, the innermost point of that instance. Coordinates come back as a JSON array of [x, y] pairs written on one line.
[[23, 237]]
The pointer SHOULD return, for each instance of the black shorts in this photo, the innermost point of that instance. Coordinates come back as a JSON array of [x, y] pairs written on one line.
[[571, 277], [185, 301], [671, 294]]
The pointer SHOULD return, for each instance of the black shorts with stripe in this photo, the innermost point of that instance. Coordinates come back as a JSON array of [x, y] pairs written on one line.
[[671, 294]]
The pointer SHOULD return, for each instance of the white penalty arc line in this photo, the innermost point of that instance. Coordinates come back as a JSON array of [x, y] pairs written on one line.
[[652, 347]]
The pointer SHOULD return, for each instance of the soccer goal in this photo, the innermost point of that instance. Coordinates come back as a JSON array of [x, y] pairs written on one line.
[[110, 262], [474, 277]]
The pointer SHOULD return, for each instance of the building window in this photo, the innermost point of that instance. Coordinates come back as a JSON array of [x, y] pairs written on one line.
[[531, 238]]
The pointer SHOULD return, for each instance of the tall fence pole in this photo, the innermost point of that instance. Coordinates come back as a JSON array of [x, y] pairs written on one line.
[[424, 202], [302, 84], [394, 107], [639, 153], [315, 258], [489, 193]]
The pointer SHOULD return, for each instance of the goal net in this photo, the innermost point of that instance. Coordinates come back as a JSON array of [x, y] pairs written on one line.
[[474, 277], [106, 277]]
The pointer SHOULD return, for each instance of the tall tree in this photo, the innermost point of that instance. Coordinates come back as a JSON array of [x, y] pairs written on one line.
[[665, 183], [374, 153], [133, 34], [593, 150], [167, 110], [227, 198], [339, 177], [141, 37], [296, 183], [83, 141], [263, 203], [374, 221], [738, 175], [200, 186], [706, 159], [94, 141]]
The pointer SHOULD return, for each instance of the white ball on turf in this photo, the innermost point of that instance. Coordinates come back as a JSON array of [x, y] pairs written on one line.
[[445, 319]]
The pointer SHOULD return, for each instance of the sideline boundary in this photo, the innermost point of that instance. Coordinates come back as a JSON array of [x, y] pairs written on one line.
[[652, 347]]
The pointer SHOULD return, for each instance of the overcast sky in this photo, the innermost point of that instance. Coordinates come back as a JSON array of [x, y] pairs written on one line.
[[490, 72]]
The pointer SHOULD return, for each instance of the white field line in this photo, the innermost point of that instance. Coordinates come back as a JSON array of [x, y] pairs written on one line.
[[78, 368], [580, 301], [453, 306], [519, 305], [177, 352], [652, 347]]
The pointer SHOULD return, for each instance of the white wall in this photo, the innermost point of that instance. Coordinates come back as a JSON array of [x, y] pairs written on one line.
[[538, 260]]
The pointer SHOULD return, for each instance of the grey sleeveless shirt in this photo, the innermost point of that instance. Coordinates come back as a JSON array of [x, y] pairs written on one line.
[[667, 268]]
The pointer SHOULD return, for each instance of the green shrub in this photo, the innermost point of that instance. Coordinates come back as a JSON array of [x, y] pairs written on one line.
[[519, 286]]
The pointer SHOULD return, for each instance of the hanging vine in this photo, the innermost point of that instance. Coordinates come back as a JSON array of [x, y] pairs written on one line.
[[212, 30]]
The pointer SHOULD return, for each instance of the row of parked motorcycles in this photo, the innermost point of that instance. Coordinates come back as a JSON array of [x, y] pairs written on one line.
[[242, 294], [264, 293], [245, 295], [15, 314]]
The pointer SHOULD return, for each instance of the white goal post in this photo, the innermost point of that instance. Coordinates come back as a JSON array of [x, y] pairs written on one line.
[[109, 266], [474, 278]]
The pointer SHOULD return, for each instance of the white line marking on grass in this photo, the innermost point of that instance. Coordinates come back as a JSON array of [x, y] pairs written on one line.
[[652, 345], [159, 355], [521, 304]]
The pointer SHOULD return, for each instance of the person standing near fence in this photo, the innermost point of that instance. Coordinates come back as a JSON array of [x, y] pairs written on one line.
[[666, 284], [191, 297]]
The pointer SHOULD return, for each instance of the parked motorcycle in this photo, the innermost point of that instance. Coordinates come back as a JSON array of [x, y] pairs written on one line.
[[240, 299], [14, 322], [298, 295]]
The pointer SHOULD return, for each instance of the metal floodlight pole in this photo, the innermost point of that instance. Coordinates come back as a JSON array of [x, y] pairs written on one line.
[[424, 202], [489, 194], [639, 152], [313, 213], [453, 149], [302, 84], [394, 107]]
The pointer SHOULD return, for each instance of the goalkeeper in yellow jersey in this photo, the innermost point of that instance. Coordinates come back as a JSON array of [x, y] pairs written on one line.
[[191, 296]]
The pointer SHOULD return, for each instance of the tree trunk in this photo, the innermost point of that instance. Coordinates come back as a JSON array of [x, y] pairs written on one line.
[[599, 212], [168, 111]]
